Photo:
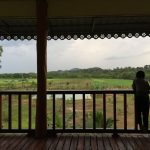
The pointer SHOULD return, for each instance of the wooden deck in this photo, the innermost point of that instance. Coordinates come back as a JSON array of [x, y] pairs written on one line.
[[75, 142]]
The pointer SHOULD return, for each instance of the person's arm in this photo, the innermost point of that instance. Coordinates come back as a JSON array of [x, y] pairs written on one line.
[[148, 85], [133, 85]]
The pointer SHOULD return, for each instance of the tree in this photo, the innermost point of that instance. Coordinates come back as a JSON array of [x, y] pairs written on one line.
[[1, 50]]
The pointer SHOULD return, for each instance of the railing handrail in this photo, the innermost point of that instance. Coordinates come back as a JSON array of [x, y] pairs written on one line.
[[122, 91]]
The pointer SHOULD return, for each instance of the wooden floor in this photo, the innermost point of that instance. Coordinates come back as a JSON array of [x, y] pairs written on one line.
[[75, 142]]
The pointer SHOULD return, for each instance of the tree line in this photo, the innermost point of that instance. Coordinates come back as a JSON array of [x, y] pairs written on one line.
[[96, 72], [116, 73]]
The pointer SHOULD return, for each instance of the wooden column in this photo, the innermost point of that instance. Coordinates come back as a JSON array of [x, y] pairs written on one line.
[[42, 31]]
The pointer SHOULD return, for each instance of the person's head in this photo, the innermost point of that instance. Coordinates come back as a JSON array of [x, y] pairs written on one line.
[[140, 74]]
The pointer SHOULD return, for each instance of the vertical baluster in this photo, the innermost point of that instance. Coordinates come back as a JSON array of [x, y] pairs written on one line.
[[94, 112], [19, 111], [9, 111], [104, 110], [84, 124], [63, 111], [125, 111], [74, 111], [30, 112], [54, 112], [114, 110]]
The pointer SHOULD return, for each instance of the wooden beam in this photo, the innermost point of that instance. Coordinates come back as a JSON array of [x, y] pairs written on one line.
[[42, 32]]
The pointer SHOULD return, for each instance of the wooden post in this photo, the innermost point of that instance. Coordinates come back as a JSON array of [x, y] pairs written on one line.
[[42, 32]]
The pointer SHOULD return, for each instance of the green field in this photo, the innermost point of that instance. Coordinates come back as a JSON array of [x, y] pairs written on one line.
[[66, 84]]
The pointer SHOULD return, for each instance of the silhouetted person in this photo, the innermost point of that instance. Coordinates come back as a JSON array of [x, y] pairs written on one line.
[[141, 88]]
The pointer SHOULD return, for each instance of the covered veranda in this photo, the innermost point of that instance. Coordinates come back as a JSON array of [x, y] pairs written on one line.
[[44, 20]]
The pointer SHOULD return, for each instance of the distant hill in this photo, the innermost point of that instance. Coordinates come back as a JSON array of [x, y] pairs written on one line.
[[74, 69]]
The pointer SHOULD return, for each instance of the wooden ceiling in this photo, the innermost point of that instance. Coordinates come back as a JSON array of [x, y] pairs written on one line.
[[76, 18]]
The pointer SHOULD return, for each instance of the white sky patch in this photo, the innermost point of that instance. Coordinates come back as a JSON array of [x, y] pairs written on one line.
[[20, 56]]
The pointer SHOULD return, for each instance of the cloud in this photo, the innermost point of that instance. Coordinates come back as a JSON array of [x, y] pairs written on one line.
[[128, 56]]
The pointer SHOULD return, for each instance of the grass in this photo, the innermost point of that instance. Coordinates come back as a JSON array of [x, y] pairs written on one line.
[[111, 84]]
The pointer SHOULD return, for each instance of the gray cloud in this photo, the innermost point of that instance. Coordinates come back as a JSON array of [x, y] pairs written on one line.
[[117, 57]]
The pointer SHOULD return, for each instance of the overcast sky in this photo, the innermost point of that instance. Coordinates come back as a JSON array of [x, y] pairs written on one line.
[[20, 56]]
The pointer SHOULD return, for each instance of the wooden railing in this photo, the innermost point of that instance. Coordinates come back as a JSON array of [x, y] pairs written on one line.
[[104, 111]]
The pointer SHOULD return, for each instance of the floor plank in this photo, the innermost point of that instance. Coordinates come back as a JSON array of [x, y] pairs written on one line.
[[100, 142], [113, 143], [131, 141], [17, 141], [22, 143], [3, 141], [29, 142], [87, 142], [126, 143], [144, 145], [75, 142], [120, 143], [13, 140], [80, 145], [107, 144], [94, 142], [67, 143], [61, 143], [55, 141]]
